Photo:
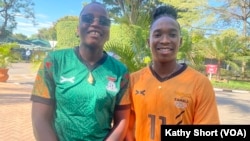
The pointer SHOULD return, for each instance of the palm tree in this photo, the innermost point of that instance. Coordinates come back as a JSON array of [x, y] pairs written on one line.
[[132, 12], [223, 50], [130, 46], [129, 42]]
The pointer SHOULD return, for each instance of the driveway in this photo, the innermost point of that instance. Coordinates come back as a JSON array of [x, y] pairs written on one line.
[[15, 106]]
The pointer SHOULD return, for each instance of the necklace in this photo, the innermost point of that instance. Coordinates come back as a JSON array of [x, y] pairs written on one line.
[[91, 78], [91, 66]]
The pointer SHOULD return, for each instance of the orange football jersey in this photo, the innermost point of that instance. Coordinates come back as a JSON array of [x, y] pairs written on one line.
[[186, 98]]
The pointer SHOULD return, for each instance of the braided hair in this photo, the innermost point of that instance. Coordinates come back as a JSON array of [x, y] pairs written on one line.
[[164, 10]]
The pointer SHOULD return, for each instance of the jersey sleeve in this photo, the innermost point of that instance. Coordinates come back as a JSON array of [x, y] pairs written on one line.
[[123, 98], [206, 106], [44, 87]]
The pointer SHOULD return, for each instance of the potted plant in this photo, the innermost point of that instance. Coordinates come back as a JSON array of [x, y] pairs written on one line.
[[5, 61]]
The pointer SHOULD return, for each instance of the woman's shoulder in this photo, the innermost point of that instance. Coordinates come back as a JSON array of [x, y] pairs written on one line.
[[141, 72], [115, 63], [196, 75], [61, 51]]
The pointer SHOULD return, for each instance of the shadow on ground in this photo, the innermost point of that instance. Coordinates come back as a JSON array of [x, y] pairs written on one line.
[[14, 98], [238, 104]]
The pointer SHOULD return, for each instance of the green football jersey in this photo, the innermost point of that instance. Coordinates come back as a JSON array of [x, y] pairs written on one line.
[[84, 96]]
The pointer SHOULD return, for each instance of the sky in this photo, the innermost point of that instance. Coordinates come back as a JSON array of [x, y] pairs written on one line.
[[47, 12]]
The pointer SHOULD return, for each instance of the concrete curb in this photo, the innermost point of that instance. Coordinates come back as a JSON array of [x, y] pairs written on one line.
[[228, 90]]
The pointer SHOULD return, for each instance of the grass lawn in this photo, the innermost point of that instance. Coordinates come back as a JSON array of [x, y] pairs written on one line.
[[232, 84]]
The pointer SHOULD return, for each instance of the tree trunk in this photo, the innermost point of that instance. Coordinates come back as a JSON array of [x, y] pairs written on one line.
[[218, 70]]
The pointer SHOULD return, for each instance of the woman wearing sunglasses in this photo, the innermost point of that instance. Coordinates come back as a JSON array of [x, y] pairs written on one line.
[[79, 91]]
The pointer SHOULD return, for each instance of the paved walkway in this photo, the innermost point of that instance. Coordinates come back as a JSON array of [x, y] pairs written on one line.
[[15, 106]]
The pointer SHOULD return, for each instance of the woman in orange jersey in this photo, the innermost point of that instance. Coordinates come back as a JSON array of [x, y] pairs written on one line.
[[167, 92]]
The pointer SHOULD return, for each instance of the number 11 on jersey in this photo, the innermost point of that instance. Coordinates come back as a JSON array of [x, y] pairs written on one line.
[[152, 125]]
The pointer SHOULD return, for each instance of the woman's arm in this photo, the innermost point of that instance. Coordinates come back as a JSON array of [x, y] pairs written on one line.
[[120, 126], [42, 120], [130, 136]]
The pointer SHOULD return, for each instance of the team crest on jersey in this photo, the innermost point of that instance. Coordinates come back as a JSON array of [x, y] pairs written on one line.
[[111, 85], [181, 103]]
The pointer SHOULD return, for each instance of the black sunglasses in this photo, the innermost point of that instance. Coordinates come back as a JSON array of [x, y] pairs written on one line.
[[89, 18]]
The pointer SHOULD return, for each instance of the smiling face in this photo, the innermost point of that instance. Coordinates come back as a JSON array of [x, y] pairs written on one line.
[[165, 39], [93, 28]]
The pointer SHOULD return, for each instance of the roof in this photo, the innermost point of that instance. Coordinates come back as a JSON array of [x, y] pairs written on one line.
[[39, 42], [31, 43], [14, 40]]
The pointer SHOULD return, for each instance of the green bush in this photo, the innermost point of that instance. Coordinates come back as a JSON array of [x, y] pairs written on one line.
[[66, 34], [6, 56], [232, 84]]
